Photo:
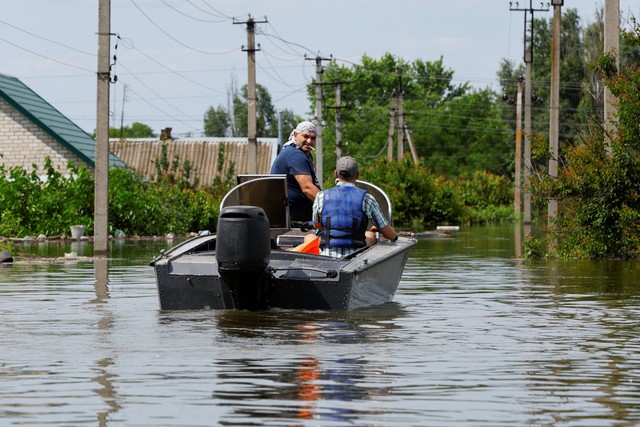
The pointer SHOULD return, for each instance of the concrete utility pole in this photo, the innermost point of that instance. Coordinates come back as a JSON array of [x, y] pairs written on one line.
[[318, 118], [251, 94], [101, 191], [412, 148], [611, 44], [528, 60], [392, 126], [518, 175], [400, 116], [338, 121], [554, 105]]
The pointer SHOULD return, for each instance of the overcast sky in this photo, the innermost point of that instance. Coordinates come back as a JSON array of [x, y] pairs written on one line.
[[176, 58]]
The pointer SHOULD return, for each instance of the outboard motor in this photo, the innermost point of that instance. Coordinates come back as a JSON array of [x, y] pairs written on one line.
[[242, 250]]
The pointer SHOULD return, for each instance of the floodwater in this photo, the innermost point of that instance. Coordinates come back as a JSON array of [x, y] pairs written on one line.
[[475, 337]]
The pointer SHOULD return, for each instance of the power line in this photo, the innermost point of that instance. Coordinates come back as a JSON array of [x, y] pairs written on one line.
[[47, 57], [189, 16], [175, 39]]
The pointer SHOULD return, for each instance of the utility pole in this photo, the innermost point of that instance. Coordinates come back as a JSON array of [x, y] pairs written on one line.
[[280, 136], [518, 175], [611, 45], [251, 93], [528, 60], [400, 116], [554, 104], [318, 118], [101, 190], [338, 121], [124, 98], [412, 148], [392, 125]]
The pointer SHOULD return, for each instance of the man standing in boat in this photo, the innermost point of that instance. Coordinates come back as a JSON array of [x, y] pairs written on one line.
[[343, 212], [296, 162]]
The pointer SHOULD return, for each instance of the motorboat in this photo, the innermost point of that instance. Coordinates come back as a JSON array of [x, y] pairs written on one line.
[[250, 263]]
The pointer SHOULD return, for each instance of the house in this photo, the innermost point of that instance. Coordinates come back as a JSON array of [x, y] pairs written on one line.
[[31, 129]]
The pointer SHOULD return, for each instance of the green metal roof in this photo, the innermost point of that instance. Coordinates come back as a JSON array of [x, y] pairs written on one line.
[[51, 121]]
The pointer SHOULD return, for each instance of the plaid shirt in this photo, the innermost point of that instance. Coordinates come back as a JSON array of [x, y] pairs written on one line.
[[369, 206]]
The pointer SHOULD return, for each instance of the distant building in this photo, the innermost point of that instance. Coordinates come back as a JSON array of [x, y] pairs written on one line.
[[31, 129]]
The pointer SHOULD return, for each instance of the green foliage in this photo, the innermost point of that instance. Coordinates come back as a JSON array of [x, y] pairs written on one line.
[[136, 130], [418, 196], [233, 121], [452, 127], [174, 172], [48, 205], [598, 186], [141, 208], [7, 245], [487, 198], [216, 122], [422, 198]]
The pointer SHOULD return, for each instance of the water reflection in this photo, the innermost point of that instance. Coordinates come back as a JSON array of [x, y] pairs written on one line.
[[309, 384], [104, 378], [475, 337], [101, 273], [581, 318], [106, 390]]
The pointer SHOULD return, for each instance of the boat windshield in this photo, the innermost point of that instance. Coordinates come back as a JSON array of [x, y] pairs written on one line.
[[380, 196], [268, 192]]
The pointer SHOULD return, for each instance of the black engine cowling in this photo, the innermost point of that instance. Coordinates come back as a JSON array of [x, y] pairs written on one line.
[[243, 250]]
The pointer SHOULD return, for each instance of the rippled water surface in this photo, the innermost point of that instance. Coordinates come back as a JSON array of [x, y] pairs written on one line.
[[475, 337]]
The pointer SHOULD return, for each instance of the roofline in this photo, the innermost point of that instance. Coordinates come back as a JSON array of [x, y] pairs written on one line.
[[46, 128]]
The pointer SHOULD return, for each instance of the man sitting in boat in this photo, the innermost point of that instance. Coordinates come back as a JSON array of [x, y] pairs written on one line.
[[343, 212], [296, 162]]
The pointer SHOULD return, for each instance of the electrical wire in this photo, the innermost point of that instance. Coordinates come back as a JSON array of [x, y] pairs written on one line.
[[191, 17], [155, 93], [175, 39], [47, 57]]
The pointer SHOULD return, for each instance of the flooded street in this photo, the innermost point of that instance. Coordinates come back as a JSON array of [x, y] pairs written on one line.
[[475, 337]]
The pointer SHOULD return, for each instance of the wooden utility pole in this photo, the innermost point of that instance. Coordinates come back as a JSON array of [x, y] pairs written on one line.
[[518, 174], [101, 191], [400, 116], [528, 60], [251, 94], [554, 105], [611, 44]]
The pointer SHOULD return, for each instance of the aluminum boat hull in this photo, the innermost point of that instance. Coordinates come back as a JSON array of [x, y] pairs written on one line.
[[188, 278]]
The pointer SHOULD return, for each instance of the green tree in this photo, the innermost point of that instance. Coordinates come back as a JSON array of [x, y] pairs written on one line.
[[453, 128], [599, 182], [233, 120], [216, 122], [136, 130]]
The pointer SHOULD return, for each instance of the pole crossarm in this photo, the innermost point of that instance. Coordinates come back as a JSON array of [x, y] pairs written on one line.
[[528, 25]]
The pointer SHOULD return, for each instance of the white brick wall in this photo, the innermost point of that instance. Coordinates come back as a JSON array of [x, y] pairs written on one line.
[[23, 143]]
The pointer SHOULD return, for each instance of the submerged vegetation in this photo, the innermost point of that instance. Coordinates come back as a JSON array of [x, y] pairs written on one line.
[[598, 184]]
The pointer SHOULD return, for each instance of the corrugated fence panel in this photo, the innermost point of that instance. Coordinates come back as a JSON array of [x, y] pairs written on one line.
[[143, 156]]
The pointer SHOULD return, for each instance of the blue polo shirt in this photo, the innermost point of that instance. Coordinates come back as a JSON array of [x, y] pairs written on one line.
[[293, 161]]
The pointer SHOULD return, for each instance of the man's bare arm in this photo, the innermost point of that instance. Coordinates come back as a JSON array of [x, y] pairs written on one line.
[[308, 187]]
